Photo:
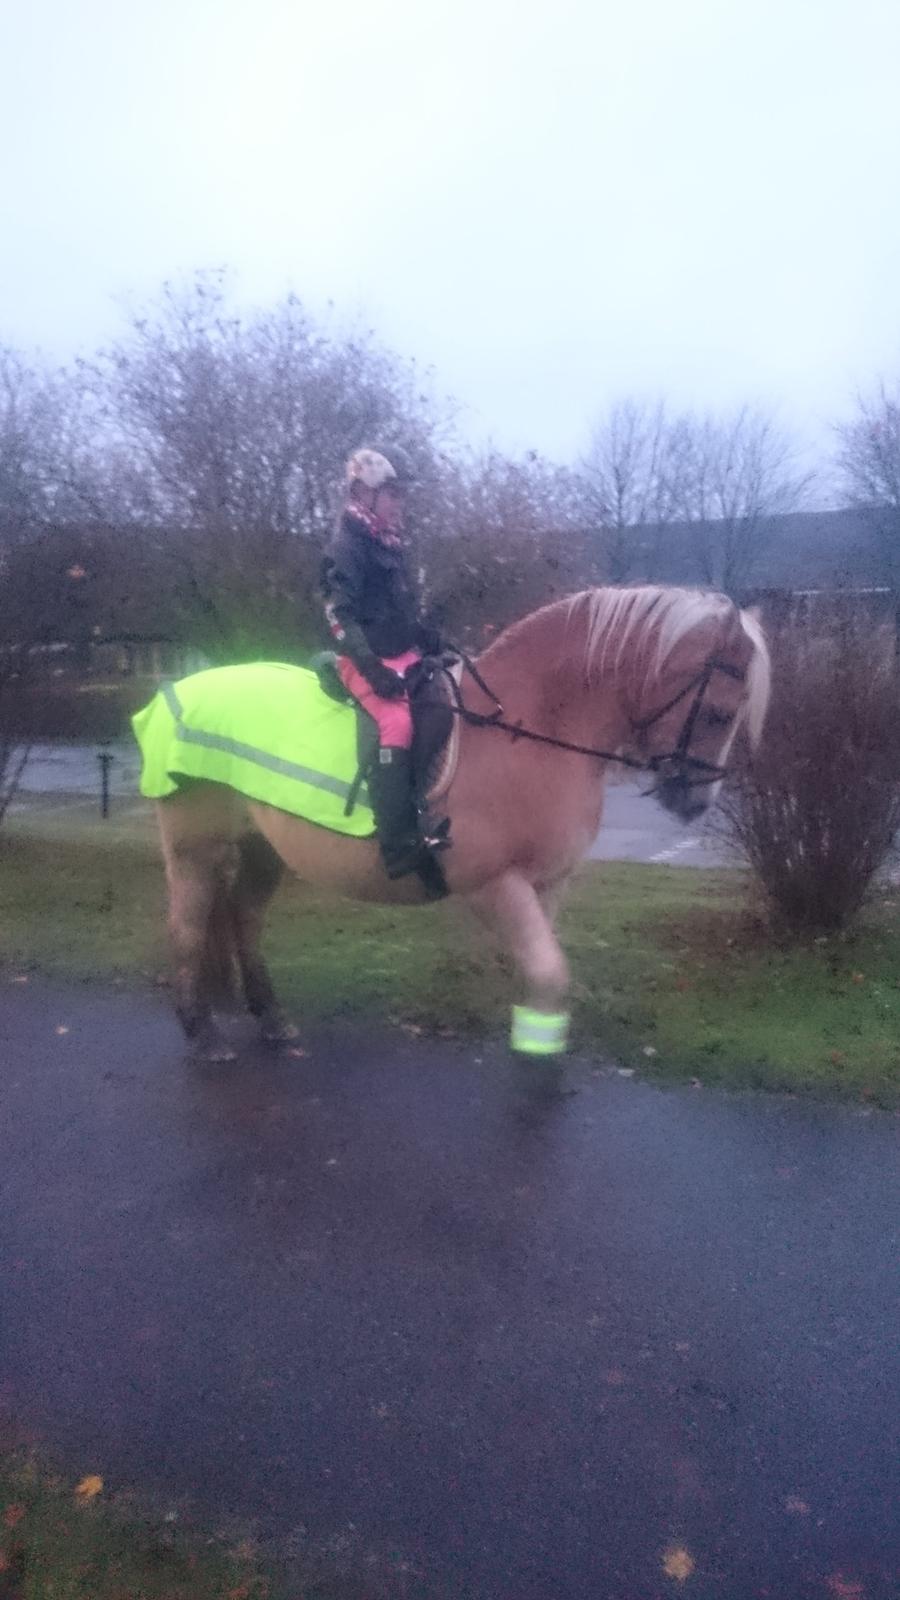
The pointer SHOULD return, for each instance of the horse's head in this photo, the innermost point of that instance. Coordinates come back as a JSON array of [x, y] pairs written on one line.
[[710, 675], [689, 668]]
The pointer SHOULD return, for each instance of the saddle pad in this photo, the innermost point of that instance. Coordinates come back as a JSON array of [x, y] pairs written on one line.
[[266, 730]]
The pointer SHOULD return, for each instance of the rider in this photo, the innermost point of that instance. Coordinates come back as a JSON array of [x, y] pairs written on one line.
[[371, 608]]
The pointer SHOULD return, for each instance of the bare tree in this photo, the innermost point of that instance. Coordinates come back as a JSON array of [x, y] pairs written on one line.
[[227, 433], [731, 478], [32, 447], [52, 464], [869, 464], [627, 484], [31, 423], [508, 535]]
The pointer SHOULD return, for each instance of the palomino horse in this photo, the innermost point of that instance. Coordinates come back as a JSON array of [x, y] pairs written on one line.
[[663, 677]]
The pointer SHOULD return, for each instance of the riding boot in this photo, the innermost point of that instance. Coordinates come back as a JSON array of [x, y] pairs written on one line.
[[390, 783]]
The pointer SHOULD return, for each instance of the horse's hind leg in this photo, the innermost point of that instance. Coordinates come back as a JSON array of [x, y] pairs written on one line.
[[258, 875], [199, 869]]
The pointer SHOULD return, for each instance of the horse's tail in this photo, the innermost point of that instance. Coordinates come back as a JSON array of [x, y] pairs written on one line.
[[219, 972]]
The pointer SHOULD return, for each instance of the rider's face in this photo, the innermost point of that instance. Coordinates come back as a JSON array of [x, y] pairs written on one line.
[[389, 506]]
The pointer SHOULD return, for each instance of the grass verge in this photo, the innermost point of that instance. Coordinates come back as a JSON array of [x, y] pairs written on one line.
[[672, 972], [65, 1541]]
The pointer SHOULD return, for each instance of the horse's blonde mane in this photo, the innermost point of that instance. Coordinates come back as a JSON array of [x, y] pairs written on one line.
[[759, 675], [615, 619]]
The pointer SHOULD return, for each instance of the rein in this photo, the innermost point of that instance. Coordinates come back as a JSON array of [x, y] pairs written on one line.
[[655, 764]]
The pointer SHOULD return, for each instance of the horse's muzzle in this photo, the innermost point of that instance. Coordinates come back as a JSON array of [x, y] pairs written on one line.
[[684, 800]]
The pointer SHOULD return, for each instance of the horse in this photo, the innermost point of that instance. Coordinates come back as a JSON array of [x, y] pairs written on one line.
[[660, 678]]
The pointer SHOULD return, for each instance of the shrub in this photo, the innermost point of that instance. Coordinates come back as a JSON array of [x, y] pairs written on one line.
[[815, 810]]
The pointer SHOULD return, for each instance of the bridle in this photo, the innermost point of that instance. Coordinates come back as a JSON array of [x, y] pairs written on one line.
[[675, 765], [680, 760]]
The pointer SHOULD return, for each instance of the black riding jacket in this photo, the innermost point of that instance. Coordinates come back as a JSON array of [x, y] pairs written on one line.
[[370, 599]]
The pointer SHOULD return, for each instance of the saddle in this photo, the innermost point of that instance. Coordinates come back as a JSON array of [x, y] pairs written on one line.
[[430, 685]]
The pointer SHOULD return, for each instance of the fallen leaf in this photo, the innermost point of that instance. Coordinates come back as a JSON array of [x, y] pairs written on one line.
[[625, 1072], [858, 977], [21, 977], [89, 1488], [794, 1504], [837, 1058], [13, 1514], [295, 1050], [62, 1028], [650, 1050], [844, 1588], [677, 1563]]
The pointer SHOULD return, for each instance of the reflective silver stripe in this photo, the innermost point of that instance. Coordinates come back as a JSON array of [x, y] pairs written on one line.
[[259, 758], [167, 690], [537, 1033]]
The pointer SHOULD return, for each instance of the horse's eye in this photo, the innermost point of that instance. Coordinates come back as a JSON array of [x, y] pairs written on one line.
[[717, 719]]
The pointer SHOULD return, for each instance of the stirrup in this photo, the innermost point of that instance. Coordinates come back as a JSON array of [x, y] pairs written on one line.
[[421, 862], [436, 836]]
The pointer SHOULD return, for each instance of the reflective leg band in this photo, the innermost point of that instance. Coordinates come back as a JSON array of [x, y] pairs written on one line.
[[539, 1033]]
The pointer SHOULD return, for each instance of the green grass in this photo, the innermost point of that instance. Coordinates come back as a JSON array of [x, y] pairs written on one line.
[[57, 1546], [672, 972]]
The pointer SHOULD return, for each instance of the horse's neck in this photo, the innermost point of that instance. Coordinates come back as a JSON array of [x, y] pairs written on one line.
[[537, 670]]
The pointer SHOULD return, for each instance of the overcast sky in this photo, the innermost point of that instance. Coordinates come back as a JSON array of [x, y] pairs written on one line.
[[553, 204]]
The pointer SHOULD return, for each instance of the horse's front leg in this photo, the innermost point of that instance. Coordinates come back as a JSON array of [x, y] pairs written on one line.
[[512, 907]]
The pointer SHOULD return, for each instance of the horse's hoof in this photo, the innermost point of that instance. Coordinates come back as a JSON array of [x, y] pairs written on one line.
[[211, 1051], [280, 1031]]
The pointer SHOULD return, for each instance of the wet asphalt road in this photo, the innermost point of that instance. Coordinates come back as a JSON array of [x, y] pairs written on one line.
[[442, 1328]]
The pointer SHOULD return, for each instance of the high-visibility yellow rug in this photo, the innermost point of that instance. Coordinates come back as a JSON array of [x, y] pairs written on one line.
[[267, 730]]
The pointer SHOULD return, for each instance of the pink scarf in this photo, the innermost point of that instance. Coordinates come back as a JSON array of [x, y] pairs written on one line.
[[375, 528]]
